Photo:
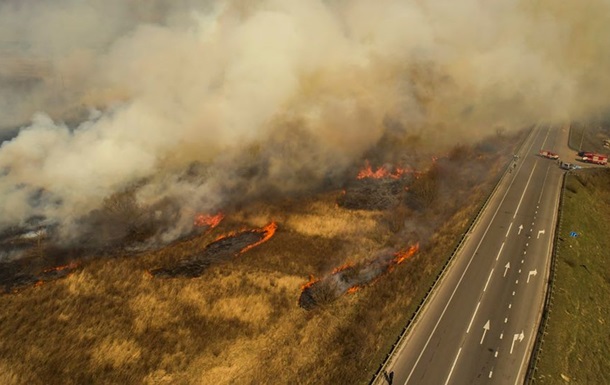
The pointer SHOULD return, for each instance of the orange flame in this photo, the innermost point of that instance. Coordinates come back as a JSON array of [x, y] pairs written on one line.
[[208, 220], [353, 289], [311, 281], [342, 267], [267, 231], [70, 266], [381, 172], [401, 256]]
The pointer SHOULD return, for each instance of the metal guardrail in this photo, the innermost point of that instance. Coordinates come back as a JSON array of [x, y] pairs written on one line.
[[431, 289]]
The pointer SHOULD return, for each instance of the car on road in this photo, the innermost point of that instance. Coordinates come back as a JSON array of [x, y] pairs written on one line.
[[569, 166]]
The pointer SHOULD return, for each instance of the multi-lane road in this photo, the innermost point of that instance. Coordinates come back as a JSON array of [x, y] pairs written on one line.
[[479, 325]]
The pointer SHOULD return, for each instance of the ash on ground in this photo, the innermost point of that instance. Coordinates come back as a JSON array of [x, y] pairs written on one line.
[[350, 277], [14, 276], [218, 251], [372, 194]]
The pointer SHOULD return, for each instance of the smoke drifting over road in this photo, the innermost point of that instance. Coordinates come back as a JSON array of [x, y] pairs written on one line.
[[203, 103]]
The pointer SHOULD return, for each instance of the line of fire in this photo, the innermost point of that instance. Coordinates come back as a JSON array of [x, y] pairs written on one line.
[[373, 188]]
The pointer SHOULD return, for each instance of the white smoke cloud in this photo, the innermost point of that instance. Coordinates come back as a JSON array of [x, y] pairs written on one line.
[[292, 88]]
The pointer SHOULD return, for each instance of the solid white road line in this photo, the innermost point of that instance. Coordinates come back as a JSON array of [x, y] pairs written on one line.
[[438, 321], [500, 252], [453, 366], [488, 278], [549, 245], [473, 315], [464, 273], [525, 189]]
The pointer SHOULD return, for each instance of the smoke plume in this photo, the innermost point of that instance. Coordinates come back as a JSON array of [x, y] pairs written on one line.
[[187, 106]]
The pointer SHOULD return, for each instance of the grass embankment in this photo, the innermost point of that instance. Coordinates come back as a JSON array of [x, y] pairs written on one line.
[[576, 348], [239, 323]]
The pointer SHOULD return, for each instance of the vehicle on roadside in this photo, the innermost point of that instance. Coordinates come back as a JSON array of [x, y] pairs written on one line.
[[595, 158], [548, 154], [569, 166]]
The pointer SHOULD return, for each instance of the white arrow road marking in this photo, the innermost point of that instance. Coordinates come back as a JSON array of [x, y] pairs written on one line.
[[485, 330], [506, 268], [532, 272], [515, 338], [540, 232], [520, 228]]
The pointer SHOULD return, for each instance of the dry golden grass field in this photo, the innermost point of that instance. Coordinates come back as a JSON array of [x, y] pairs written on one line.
[[110, 322]]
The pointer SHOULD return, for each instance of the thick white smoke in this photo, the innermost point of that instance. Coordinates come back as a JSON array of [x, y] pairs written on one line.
[[274, 93]]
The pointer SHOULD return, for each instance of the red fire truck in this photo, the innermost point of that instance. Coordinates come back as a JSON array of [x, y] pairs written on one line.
[[595, 158]]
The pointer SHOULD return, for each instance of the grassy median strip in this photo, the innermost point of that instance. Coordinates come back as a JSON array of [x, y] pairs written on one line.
[[576, 348]]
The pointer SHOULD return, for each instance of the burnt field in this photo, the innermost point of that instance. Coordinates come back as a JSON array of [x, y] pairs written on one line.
[[311, 288]]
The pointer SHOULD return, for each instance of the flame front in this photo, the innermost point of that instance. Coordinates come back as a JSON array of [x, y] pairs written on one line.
[[353, 289], [267, 232], [224, 248], [208, 220], [382, 172], [401, 256], [339, 269], [70, 266], [349, 278], [309, 283]]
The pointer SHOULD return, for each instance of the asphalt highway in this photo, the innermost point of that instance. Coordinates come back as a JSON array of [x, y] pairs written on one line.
[[479, 325]]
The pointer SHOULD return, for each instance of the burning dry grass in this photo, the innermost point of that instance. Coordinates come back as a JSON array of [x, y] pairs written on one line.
[[13, 280], [221, 250], [350, 277], [239, 323]]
